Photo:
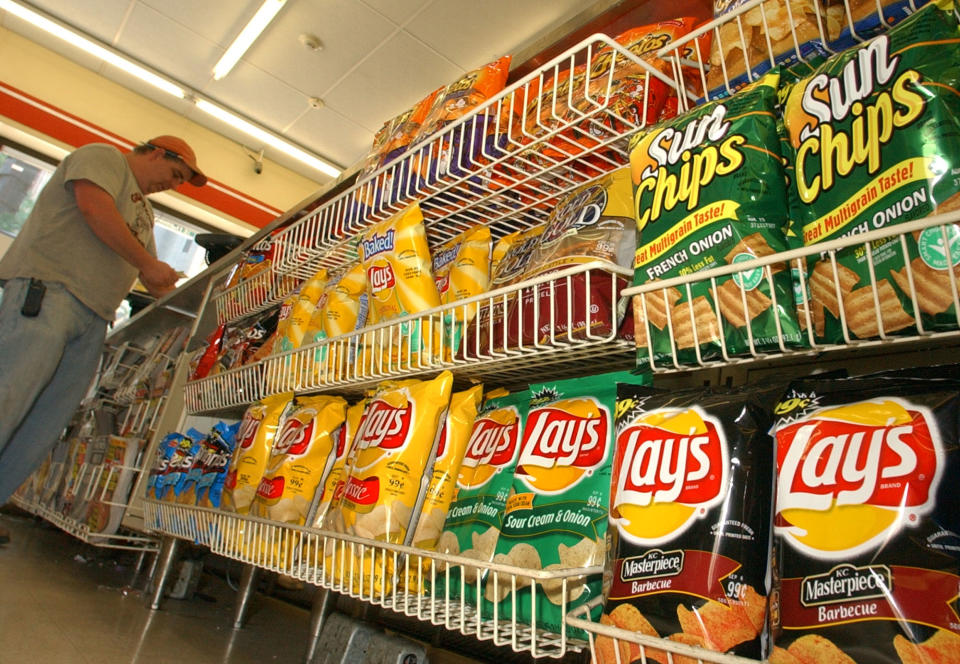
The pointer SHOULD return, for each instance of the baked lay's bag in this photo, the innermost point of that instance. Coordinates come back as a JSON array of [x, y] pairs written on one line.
[[258, 428], [220, 445], [556, 516], [475, 516], [302, 307], [593, 224], [866, 156], [396, 260], [461, 268], [690, 506], [709, 191], [867, 520], [451, 448], [343, 307], [304, 450]]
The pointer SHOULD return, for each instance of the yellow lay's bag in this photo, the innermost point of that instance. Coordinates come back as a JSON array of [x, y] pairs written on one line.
[[341, 309], [258, 428], [302, 311], [396, 443], [304, 451], [396, 260], [446, 467], [461, 268]]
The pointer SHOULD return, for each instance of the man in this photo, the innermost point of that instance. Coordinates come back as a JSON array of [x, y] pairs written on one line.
[[88, 237]]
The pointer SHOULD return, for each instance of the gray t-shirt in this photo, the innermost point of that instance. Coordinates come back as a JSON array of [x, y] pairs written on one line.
[[56, 244]]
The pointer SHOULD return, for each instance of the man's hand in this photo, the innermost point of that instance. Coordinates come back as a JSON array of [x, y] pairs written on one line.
[[158, 278]]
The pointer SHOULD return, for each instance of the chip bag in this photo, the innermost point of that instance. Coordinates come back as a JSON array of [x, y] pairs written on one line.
[[867, 519], [709, 191], [556, 517], [220, 445], [461, 268], [690, 507], [868, 158], [258, 428], [475, 516], [396, 444], [594, 223], [177, 478], [331, 493], [342, 308]]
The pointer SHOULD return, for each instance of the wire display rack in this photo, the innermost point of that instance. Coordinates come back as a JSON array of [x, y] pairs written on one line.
[[379, 573], [502, 165]]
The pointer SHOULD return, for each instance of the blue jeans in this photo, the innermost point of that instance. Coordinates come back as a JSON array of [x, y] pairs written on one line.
[[46, 365]]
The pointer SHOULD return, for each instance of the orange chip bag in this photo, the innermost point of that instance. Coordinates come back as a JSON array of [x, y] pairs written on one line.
[[396, 259], [258, 428]]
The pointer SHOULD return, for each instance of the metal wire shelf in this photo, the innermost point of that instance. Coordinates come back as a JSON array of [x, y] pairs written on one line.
[[564, 321], [501, 165], [379, 573]]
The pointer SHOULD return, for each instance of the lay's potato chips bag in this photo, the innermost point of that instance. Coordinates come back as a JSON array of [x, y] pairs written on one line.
[[873, 138], [255, 437], [556, 517], [457, 427], [396, 260], [343, 307], [461, 268], [709, 191], [303, 454], [475, 516]]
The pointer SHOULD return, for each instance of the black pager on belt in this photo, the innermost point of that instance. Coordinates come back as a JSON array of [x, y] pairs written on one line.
[[31, 304]]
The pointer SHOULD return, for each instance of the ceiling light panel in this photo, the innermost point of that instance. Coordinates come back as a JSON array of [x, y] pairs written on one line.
[[268, 10]]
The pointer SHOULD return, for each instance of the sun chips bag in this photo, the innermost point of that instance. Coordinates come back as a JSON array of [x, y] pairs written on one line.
[[690, 507], [874, 135], [483, 485], [709, 191], [867, 520], [556, 517]]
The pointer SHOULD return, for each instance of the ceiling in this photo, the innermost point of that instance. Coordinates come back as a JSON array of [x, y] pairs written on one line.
[[379, 57]]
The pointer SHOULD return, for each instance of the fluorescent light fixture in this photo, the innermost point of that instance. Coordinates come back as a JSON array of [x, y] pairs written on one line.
[[266, 137], [247, 36], [91, 47]]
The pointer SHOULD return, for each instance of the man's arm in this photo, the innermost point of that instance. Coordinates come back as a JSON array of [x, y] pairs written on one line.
[[106, 222]]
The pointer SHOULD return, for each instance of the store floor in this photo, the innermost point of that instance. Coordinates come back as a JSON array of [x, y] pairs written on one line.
[[66, 602]]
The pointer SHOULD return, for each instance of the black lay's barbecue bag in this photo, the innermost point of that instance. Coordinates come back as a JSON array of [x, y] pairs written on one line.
[[866, 522], [709, 191], [690, 505], [873, 140]]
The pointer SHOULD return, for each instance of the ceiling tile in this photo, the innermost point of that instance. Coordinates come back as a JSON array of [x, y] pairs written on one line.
[[474, 33], [98, 18], [259, 96], [333, 135], [347, 30], [391, 80], [219, 22], [398, 11], [169, 46]]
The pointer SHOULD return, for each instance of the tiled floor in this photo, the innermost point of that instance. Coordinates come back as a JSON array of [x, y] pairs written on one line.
[[62, 601]]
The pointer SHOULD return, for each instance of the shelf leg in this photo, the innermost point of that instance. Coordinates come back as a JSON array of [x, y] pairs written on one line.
[[164, 565], [138, 568], [323, 601], [248, 586]]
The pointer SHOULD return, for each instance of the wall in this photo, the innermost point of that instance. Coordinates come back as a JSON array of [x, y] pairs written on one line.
[[78, 91]]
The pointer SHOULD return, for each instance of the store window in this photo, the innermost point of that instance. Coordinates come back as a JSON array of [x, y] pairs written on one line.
[[22, 177]]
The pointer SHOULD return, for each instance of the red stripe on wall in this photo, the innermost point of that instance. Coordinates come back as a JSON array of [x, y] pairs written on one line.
[[67, 128]]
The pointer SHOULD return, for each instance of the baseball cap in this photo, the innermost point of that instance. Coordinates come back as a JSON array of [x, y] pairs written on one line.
[[184, 152]]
